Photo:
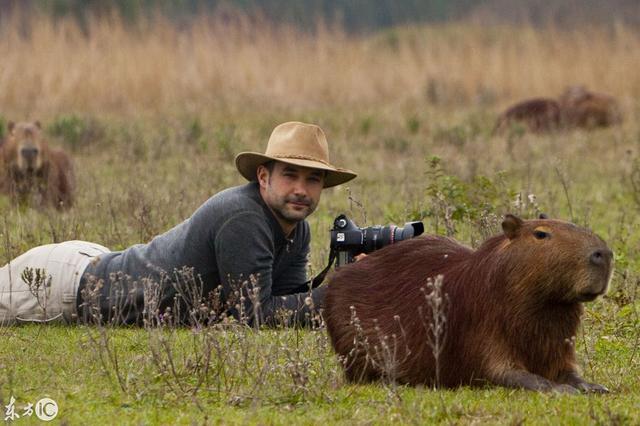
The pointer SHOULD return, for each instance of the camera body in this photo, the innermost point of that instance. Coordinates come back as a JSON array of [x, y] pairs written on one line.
[[348, 240]]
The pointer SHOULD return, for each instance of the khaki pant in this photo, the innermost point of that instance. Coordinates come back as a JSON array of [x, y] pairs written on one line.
[[61, 265]]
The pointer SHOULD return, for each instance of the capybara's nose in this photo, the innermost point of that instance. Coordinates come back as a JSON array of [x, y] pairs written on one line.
[[601, 257], [29, 154]]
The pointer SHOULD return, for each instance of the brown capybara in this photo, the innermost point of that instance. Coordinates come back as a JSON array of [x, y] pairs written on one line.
[[536, 115], [32, 171], [511, 308], [584, 109]]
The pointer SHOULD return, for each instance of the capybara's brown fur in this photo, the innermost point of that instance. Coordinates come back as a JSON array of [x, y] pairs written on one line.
[[577, 107], [584, 109], [536, 115], [514, 306], [33, 171]]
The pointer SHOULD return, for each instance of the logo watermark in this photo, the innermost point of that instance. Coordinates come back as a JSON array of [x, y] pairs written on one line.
[[46, 409]]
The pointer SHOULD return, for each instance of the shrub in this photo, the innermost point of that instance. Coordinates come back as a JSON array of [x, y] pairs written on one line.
[[75, 131]]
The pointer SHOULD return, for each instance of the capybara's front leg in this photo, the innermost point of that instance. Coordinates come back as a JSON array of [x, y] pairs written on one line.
[[523, 379], [571, 377]]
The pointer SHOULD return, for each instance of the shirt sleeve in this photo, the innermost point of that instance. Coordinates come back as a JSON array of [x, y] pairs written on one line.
[[244, 251]]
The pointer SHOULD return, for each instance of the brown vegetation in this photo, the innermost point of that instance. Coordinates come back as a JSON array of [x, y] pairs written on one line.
[[514, 306], [32, 171], [236, 62]]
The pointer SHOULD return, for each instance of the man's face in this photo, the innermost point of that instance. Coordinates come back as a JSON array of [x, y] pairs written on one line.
[[292, 192]]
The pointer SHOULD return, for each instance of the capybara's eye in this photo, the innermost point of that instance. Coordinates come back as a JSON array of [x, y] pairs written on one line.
[[541, 235]]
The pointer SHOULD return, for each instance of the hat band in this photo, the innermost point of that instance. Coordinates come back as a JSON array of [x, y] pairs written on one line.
[[302, 157]]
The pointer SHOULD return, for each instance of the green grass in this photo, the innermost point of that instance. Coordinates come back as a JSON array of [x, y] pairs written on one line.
[[137, 177], [61, 363]]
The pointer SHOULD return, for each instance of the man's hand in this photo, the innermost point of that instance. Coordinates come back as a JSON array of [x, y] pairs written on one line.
[[360, 256]]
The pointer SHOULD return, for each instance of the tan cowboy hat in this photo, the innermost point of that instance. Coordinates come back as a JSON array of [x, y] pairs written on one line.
[[299, 144]]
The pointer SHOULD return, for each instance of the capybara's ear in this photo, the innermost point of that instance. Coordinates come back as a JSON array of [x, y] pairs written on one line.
[[38, 125], [511, 226], [543, 216], [10, 126]]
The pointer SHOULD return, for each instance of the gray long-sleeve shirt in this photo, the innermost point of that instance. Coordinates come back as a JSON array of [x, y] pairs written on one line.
[[233, 240]]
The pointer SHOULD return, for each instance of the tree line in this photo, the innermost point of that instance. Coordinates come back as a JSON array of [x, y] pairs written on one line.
[[352, 15]]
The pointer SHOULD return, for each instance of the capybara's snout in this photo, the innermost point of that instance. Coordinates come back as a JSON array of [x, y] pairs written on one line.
[[601, 258], [30, 156], [600, 266]]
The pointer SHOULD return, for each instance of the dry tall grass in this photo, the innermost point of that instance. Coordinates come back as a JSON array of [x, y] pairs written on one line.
[[238, 63]]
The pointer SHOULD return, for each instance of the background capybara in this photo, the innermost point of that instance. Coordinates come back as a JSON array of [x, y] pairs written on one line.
[[32, 171], [584, 109], [577, 107], [536, 115], [514, 306]]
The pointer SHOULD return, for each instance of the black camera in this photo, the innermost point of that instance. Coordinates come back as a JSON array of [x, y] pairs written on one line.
[[347, 240]]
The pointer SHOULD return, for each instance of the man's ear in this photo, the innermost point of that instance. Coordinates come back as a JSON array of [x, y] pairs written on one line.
[[262, 173]]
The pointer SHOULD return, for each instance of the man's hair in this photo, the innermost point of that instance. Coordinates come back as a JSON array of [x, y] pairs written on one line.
[[270, 165]]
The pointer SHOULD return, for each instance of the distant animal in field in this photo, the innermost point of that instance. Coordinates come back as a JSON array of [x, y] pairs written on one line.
[[511, 308], [539, 115], [32, 171], [584, 109], [576, 108]]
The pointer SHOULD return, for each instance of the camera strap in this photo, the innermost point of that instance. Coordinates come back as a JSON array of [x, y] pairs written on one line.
[[318, 279]]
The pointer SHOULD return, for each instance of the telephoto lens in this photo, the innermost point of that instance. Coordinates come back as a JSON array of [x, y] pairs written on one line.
[[348, 240], [376, 237]]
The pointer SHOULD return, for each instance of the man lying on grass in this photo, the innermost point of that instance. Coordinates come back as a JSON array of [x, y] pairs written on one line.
[[244, 251]]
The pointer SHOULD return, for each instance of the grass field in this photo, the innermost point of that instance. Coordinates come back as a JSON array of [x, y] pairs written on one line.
[[153, 118]]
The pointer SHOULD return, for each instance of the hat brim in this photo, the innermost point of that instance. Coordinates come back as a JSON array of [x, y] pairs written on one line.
[[247, 164]]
